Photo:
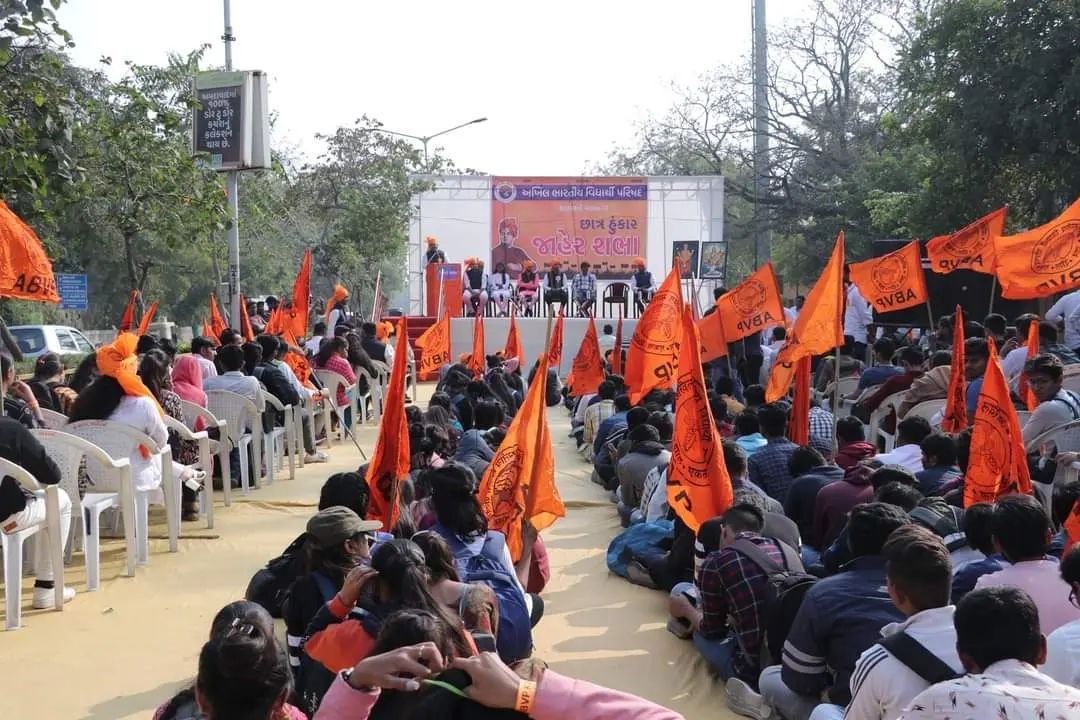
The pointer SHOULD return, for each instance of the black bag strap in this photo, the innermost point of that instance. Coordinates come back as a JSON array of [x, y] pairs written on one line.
[[758, 556], [924, 663]]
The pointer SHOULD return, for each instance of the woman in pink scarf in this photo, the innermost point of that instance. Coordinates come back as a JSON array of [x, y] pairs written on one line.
[[187, 382]]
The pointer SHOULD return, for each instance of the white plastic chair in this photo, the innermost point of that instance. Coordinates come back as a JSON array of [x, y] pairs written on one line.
[[206, 463], [191, 413], [12, 544], [332, 381], [1063, 438], [926, 409], [285, 434], [245, 430], [878, 416], [848, 386], [67, 451], [52, 419], [122, 441]]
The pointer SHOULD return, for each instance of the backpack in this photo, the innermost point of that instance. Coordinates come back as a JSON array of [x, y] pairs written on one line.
[[917, 658], [270, 585], [943, 520], [514, 639], [787, 586]]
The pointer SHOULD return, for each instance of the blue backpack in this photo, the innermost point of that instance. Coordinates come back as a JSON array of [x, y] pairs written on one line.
[[514, 639]]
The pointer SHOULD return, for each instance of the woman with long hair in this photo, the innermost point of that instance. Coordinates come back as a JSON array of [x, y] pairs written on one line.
[[528, 287], [84, 374], [187, 380], [245, 670], [48, 384], [475, 604], [333, 356]]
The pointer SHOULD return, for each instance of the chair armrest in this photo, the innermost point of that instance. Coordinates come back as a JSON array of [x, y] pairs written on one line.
[[184, 431]]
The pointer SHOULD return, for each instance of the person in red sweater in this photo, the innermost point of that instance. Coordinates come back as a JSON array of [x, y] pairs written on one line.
[[853, 447]]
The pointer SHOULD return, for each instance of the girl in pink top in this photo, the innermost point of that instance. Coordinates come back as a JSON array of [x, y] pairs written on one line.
[[333, 356]]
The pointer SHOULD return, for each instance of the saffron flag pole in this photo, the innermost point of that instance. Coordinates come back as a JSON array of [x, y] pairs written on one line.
[[616, 355], [477, 358], [390, 460], [955, 419]]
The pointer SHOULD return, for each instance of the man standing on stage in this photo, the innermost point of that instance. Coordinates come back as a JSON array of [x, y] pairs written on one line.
[[433, 254]]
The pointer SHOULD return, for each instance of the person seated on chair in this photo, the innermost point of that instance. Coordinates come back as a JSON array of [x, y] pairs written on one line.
[[501, 289], [584, 286], [642, 283], [475, 296], [333, 356], [1057, 406], [528, 286], [555, 285], [233, 378]]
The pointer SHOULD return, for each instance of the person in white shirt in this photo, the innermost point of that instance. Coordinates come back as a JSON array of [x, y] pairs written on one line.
[[501, 288], [606, 339], [858, 317], [1057, 406], [919, 579], [204, 350], [999, 643], [233, 379], [910, 433], [1063, 645], [1061, 312], [1014, 351], [312, 345]]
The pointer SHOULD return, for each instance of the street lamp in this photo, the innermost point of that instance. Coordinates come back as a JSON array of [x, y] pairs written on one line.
[[425, 139]]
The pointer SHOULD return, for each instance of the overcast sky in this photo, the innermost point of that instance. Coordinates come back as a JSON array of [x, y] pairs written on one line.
[[561, 82]]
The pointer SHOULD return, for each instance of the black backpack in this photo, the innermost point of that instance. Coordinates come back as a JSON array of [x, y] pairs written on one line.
[[788, 585], [921, 661], [270, 585]]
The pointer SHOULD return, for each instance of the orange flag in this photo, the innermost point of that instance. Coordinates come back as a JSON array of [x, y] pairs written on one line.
[[296, 359], [894, 281], [698, 485], [555, 351], [799, 427], [340, 293], [147, 318], [276, 324], [245, 321], [955, 419], [25, 270], [127, 320], [1023, 389], [751, 306], [819, 327], [711, 331], [970, 248], [478, 358], [587, 370], [208, 332], [1042, 261], [513, 341], [435, 346], [998, 461], [217, 323], [616, 352], [519, 484], [301, 298], [390, 460], [1072, 526], [653, 359]]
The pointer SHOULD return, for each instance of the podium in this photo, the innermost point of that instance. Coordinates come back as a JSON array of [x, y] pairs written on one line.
[[446, 276]]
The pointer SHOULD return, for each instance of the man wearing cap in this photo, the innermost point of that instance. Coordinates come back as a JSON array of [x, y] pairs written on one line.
[[434, 254], [642, 282]]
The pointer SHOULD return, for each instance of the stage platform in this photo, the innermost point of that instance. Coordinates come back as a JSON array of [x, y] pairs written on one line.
[[532, 331]]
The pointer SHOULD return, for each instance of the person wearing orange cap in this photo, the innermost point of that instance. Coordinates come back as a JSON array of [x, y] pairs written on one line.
[[528, 286], [642, 283], [433, 254], [475, 296]]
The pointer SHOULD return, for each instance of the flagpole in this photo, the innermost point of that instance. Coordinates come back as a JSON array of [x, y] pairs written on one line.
[[993, 292], [375, 298], [836, 400], [930, 342]]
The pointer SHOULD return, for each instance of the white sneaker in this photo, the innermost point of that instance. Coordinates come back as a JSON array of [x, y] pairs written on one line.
[[45, 598], [316, 457], [742, 699]]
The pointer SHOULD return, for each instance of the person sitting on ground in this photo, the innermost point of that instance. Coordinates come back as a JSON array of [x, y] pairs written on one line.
[[821, 427], [248, 630], [728, 619], [1050, 344], [595, 414], [1057, 406], [748, 432], [1062, 658], [912, 363], [1000, 645], [20, 508], [1021, 530], [977, 530], [939, 463], [883, 367], [584, 289], [612, 430], [769, 466], [474, 451], [840, 617], [48, 384], [205, 351], [996, 326], [853, 448], [976, 356], [908, 451], [646, 454], [918, 572], [754, 396], [20, 403], [850, 366], [474, 604], [811, 473], [931, 385]]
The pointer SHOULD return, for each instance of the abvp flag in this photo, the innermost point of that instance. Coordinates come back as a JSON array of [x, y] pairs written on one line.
[[997, 463], [1042, 261], [587, 370], [894, 281], [434, 344], [390, 462], [954, 418], [711, 332], [969, 248], [477, 359], [819, 327], [25, 270], [519, 484], [698, 484], [653, 359], [751, 306], [555, 350], [217, 323], [513, 341]]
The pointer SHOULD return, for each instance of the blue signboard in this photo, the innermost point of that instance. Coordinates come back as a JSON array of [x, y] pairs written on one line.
[[73, 291]]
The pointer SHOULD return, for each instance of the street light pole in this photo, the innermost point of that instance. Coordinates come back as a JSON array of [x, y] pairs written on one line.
[[232, 187]]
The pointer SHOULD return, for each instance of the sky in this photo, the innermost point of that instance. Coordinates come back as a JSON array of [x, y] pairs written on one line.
[[561, 83]]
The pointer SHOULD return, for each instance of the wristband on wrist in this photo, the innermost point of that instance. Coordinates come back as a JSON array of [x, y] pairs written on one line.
[[526, 695]]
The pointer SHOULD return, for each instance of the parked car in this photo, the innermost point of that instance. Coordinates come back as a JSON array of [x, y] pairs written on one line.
[[37, 340]]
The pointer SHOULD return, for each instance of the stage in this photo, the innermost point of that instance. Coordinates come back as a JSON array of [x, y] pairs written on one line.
[[532, 332]]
